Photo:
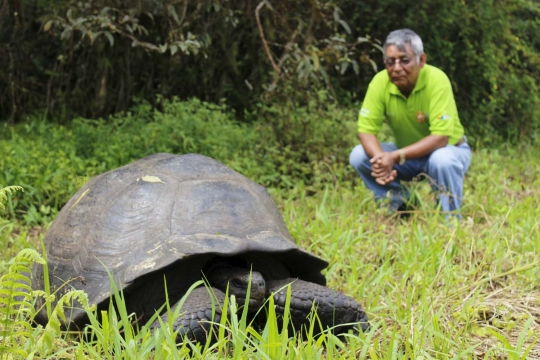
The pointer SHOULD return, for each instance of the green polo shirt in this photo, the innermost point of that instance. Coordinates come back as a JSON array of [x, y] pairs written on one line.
[[430, 109]]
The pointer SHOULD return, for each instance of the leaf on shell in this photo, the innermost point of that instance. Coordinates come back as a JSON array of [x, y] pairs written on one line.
[[80, 198], [152, 179]]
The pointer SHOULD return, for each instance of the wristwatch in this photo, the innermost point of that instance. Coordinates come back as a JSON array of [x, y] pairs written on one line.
[[402, 158]]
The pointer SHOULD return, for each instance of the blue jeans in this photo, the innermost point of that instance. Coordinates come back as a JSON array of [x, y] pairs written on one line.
[[445, 167]]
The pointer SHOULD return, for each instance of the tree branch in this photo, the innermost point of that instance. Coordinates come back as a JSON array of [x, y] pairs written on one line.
[[276, 68]]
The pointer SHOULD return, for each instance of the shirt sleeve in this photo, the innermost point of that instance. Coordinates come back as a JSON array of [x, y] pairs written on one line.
[[371, 114], [443, 108]]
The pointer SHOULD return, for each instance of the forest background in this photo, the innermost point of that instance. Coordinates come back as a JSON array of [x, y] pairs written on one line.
[[273, 89], [94, 58]]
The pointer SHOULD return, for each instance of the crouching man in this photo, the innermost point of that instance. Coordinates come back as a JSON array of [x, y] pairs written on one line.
[[417, 101]]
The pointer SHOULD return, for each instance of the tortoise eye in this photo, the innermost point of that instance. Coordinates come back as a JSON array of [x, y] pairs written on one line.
[[237, 283]]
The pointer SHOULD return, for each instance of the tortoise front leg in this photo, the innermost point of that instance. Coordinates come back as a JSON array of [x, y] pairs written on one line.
[[196, 321], [333, 308]]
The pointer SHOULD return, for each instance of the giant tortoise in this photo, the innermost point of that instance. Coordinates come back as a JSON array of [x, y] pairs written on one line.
[[170, 219]]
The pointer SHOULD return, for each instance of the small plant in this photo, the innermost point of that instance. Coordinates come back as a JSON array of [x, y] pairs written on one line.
[[17, 309], [16, 303], [5, 191], [17, 299]]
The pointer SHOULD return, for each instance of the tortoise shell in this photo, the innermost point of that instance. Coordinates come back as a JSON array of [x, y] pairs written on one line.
[[165, 216]]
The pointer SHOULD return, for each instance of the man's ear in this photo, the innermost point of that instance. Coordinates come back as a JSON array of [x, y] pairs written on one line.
[[423, 59]]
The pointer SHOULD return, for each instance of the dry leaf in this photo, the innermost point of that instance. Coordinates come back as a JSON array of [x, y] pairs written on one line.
[[79, 199], [151, 179]]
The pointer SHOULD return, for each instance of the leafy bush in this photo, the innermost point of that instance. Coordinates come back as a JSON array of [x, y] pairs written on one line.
[[283, 146], [41, 158], [52, 161], [91, 58], [495, 68], [308, 144], [179, 127]]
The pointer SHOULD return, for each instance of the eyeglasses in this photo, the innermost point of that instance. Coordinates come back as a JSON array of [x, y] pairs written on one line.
[[390, 62]]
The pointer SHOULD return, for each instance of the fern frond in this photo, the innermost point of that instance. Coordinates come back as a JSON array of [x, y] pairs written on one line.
[[30, 255], [5, 350], [43, 294], [15, 281], [8, 190], [53, 328], [16, 300]]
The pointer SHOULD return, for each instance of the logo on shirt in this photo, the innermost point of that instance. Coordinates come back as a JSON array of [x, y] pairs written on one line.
[[420, 117], [443, 117], [364, 112]]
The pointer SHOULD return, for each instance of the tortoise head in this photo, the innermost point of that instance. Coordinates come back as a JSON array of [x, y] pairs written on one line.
[[238, 280]]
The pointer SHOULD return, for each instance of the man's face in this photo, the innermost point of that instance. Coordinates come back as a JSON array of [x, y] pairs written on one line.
[[402, 67]]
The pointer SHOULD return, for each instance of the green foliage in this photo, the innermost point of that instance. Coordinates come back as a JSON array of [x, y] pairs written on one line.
[[498, 95], [16, 303], [6, 227], [57, 318], [40, 157], [5, 191], [308, 144], [179, 127], [96, 56], [282, 146], [90, 22], [111, 333], [17, 310], [52, 161]]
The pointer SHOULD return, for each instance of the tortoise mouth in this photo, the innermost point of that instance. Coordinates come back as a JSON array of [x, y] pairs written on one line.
[[255, 304]]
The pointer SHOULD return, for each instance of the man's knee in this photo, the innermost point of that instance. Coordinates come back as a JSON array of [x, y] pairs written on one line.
[[358, 157], [444, 159]]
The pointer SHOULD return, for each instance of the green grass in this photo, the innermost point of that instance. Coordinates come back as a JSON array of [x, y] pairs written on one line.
[[432, 291]]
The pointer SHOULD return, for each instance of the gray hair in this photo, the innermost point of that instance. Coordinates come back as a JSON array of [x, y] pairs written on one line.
[[399, 38]]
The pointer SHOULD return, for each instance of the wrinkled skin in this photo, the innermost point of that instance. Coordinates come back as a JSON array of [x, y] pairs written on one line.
[[202, 306], [238, 280]]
